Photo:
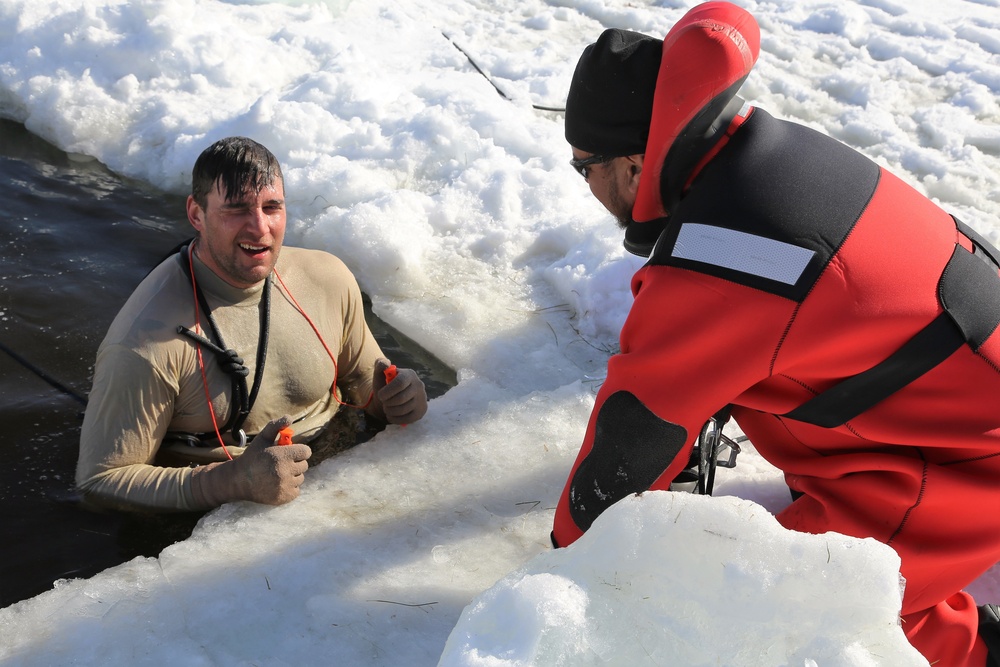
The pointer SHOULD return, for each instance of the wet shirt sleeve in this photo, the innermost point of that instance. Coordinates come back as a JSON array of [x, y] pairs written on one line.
[[127, 415]]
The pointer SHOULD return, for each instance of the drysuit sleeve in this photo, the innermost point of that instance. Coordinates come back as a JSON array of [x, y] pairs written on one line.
[[690, 345], [128, 412]]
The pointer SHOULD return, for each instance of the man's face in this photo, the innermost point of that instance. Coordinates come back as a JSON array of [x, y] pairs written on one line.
[[612, 184], [240, 239]]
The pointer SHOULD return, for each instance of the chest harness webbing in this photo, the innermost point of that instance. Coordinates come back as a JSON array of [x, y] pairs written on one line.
[[228, 359]]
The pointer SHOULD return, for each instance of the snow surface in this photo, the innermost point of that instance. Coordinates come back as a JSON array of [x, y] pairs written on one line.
[[456, 209]]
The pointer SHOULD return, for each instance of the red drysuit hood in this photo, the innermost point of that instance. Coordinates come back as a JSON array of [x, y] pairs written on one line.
[[706, 57]]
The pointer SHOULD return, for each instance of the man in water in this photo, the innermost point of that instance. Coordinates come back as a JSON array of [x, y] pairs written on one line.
[[233, 335], [847, 322]]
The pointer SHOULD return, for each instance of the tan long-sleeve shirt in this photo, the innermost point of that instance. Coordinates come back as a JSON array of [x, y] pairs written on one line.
[[147, 380]]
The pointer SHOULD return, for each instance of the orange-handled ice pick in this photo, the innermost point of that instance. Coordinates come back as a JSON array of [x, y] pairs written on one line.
[[390, 374], [285, 436]]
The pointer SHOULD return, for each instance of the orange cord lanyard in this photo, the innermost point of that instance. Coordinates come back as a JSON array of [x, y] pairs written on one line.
[[201, 360]]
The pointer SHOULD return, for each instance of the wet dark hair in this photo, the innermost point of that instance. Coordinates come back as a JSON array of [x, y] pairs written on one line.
[[236, 165]]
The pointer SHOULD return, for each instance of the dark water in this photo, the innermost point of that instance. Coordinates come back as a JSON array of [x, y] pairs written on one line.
[[75, 240]]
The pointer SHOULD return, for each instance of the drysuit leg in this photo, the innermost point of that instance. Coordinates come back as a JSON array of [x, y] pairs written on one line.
[[936, 519]]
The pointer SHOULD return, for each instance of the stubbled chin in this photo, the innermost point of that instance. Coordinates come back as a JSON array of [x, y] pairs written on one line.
[[255, 267]]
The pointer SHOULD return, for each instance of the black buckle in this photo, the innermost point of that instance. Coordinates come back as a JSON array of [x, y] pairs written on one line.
[[715, 449]]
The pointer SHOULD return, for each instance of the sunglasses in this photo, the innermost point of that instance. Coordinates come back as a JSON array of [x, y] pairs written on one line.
[[583, 165]]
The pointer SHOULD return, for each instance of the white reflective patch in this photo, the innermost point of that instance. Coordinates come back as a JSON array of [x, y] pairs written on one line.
[[731, 249]]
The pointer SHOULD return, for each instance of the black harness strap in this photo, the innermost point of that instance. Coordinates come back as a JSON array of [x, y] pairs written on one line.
[[969, 292], [229, 360], [849, 398], [231, 364]]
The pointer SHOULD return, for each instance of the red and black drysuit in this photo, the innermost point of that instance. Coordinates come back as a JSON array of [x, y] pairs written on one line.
[[849, 322]]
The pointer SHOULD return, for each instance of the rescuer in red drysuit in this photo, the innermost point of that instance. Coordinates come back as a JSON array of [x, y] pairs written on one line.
[[849, 322]]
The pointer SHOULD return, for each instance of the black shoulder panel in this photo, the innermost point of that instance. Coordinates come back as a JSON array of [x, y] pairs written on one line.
[[970, 293], [771, 209], [632, 447]]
